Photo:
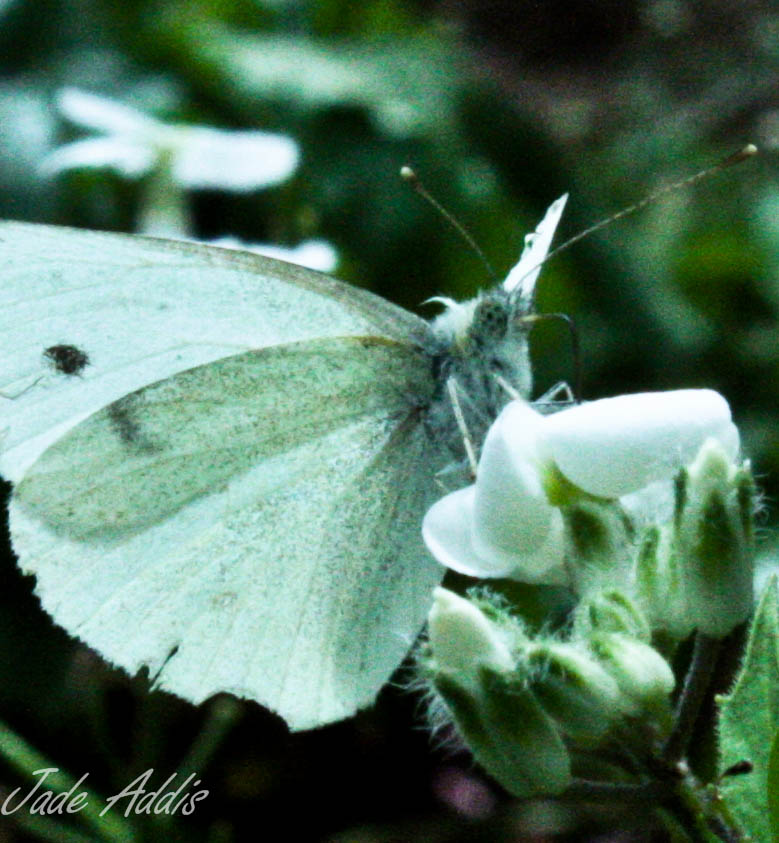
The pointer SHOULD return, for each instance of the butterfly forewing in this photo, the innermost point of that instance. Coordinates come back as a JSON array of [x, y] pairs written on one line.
[[141, 310]]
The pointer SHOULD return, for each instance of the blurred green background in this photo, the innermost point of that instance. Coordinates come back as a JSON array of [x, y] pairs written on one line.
[[501, 107]]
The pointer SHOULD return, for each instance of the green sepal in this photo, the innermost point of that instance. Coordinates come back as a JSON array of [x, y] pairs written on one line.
[[574, 689], [599, 538], [611, 610], [508, 733], [659, 583]]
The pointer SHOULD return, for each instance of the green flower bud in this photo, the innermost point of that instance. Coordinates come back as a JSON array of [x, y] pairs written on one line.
[[610, 610], [573, 688], [714, 540], [659, 582], [505, 728], [599, 542], [508, 732], [643, 676]]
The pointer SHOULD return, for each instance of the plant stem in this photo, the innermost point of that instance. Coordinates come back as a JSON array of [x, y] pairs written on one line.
[[583, 790], [26, 760], [696, 684]]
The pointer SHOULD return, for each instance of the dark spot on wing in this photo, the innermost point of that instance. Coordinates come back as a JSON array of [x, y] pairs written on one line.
[[67, 359], [127, 425], [124, 424]]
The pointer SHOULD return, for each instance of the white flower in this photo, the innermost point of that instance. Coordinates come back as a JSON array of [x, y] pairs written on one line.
[[134, 144], [509, 524]]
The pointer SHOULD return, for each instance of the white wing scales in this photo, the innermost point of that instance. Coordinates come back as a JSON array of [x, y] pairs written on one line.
[[296, 578], [142, 310]]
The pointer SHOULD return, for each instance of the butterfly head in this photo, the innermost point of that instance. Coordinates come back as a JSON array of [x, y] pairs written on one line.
[[481, 344]]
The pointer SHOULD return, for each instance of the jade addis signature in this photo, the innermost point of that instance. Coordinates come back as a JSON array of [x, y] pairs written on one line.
[[134, 798]]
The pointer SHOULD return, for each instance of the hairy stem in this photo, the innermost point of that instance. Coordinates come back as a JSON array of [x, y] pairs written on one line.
[[696, 684]]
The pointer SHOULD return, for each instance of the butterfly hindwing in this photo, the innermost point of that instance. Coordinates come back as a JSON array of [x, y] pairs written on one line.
[[251, 525]]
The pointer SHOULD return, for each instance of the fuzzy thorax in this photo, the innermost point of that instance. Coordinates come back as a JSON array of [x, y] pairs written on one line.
[[481, 344]]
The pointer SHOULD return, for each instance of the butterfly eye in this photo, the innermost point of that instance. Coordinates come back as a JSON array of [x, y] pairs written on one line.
[[490, 321]]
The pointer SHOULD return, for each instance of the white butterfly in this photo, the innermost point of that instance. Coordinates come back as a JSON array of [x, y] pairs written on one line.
[[229, 486]]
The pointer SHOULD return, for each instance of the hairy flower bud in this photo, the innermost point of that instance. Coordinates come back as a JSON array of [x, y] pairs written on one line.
[[573, 688], [644, 677], [611, 610], [714, 540], [509, 734], [497, 715], [462, 637]]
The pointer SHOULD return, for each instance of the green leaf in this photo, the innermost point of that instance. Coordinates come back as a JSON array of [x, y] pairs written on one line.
[[773, 788], [749, 722]]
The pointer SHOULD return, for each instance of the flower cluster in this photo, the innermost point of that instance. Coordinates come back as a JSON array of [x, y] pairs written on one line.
[[640, 507], [511, 522], [640, 512], [518, 701], [561, 499]]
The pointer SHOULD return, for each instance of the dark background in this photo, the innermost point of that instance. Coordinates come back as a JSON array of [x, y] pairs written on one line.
[[501, 106]]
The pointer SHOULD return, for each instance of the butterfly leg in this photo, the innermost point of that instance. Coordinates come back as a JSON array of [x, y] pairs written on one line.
[[451, 386], [560, 394]]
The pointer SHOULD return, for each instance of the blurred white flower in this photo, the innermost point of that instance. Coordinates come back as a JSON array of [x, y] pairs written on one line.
[[134, 145], [314, 254], [509, 522]]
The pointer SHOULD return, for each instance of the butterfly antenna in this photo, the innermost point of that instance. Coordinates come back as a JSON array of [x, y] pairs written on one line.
[[410, 177], [744, 154]]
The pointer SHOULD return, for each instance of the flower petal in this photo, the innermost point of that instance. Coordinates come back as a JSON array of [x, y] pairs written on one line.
[[618, 445], [446, 529], [511, 513], [239, 161], [102, 114], [448, 535], [128, 158]]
